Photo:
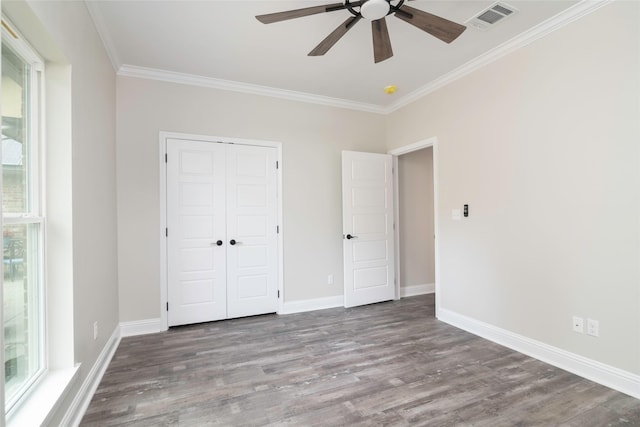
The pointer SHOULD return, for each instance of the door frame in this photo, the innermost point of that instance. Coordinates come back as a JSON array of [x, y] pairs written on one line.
[[396, 152], [163, 137]]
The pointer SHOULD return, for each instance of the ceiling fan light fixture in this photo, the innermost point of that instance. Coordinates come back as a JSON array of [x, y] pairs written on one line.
[[374, 9]]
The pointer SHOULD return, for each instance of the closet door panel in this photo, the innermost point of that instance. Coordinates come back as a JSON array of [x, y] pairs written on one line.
[[196, 221], [251, 230]]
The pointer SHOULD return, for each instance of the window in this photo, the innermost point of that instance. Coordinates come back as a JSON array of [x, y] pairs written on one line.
[[22, 217]]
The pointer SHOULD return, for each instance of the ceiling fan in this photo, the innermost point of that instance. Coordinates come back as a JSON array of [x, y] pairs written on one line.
[[374, 11]]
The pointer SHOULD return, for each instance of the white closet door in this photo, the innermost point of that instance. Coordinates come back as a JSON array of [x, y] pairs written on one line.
[[367, 209], [251, 231], [196, 220]]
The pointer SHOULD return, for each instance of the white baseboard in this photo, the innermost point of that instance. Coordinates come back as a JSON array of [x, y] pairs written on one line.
[[140, 327], [609, 376], [290, 307], [410, 291], [80, 403], [300, 306]]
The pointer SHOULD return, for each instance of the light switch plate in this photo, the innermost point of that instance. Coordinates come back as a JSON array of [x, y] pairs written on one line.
[[578, 324]]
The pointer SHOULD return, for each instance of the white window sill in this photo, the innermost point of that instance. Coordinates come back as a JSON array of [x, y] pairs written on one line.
[[43, 400]]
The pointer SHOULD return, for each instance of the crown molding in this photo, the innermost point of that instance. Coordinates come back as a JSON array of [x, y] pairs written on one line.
[[103, 32], [558, 21], [201, 81], [552, 24]]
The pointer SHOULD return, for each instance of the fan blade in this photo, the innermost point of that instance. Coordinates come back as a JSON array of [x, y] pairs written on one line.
[[336, 35], [445, 30], [381, 41], [299, 13]]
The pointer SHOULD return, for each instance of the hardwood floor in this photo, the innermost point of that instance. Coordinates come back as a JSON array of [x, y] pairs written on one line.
[[384, 364]]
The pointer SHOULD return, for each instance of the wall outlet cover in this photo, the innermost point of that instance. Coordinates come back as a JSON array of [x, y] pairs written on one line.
[[593, 327]]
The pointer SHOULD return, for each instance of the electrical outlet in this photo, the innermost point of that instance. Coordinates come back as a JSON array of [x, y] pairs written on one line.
[[593, 327], [95, 330], [330, 279], [578, 324]]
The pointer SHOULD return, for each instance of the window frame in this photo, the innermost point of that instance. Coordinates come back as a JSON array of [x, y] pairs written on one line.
[[35, 209]]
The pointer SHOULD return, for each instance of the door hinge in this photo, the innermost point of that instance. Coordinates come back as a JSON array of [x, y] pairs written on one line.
[[167, 306], [277, 229], [277, 165], [394, 225], [166, 232], [166, 157], [278, 294]]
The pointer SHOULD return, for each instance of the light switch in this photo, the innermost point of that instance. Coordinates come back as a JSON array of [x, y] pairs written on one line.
[[456, 214]]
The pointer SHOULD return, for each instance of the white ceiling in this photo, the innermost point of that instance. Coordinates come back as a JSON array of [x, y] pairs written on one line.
[[222, 40]]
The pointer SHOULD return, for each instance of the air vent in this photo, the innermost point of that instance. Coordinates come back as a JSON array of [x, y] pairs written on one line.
[[488, 18]]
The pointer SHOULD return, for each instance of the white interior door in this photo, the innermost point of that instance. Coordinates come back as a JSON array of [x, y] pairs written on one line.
[[196, 241], [367, 209], [252, 272], [222, 247]]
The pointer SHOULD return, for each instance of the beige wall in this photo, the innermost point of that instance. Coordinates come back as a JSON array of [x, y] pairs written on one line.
[[544, 146], [415, 199], [312, 139], [91, 157]]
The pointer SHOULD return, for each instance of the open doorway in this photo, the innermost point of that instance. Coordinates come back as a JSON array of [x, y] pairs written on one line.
[[416, 218]]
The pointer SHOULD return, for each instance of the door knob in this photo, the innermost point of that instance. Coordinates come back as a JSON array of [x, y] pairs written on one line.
[[349, 237], [219, 243], [232, 242]]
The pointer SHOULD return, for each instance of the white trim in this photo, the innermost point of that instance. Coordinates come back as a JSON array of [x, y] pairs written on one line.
[[280, 204], [413, 290], [103, 31], [164, 298], [396, 227], [83, 397], [22, 47], [140, 327], [405, 149], [301, 306], [436, 222], [162, 140], [609, 376], [44, 400], [552, 24], [419, 145], [253, 89]]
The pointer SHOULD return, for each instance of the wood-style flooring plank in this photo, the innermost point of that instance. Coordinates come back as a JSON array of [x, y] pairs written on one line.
[[389, 364]]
